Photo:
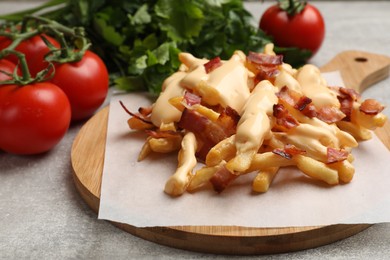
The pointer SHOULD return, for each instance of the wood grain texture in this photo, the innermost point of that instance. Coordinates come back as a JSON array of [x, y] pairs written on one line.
[[358, 69]]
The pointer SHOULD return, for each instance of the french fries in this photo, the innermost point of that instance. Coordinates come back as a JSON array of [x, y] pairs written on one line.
[[254, 114]]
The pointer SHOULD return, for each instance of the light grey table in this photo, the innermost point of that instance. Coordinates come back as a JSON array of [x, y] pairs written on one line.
[[43, 217]]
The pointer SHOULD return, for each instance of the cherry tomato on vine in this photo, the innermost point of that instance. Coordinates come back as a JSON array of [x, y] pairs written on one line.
[[8, 67], [85, 83], [33, 118], [35, 50], [294, 23]]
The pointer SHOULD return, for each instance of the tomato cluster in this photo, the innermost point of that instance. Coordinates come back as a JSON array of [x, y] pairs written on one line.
[[35, 116]]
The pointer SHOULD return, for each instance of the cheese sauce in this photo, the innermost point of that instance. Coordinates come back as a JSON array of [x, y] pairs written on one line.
[[163, 112], [254, 124], [314, 86]]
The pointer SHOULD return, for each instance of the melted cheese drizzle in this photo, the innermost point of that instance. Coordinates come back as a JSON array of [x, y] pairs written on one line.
[[314, 86], [254, 124], [163, 112], [226, 85], [178, 182]]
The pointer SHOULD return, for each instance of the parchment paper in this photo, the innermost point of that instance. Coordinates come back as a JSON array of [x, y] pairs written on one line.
[[132, 192]]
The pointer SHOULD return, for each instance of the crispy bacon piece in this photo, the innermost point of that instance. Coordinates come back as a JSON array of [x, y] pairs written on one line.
[[350, 93], [265, 59], [288, 96], [191, 99], [283, 117], [346, 105], [228, 119], [371, 107], [336, 155], [330, 114], [209, 132], [306, 107], [221, 179], [302, 103], [139, 115], [346, 97], [145, 111], [263, 65], [212, 64], [288, 151]]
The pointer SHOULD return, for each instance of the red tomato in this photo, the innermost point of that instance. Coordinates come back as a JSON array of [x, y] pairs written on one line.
[[305, 30], [35, 50], [33, 118], [85, 83], [9, 67]]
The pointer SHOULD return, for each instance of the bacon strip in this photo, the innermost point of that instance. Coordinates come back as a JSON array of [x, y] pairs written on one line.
[[145, 111], [209, 132], [371, 107], [346, 105], [221, 179], [212, 64], [139, 116], [336, 155], [263, 65], [283, 117], [191, 99], [330, 114], [265, 59], [306, 107]]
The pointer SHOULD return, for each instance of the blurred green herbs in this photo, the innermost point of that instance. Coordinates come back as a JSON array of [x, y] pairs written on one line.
[[140, 40]]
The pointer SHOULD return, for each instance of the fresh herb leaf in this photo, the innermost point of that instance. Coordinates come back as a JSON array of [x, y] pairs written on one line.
[[140, 39]]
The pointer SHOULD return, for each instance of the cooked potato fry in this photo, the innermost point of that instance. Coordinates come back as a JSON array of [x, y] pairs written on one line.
[[316, 169], [179, 181], [203, 175], [345, 170], [266, 160], [145, 150], [224, 150], [165, 145], [357, 131], [263, 179], [370, 122], [137, 124]]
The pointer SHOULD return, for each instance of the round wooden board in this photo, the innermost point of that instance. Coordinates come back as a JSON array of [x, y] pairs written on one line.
[[88, 157]]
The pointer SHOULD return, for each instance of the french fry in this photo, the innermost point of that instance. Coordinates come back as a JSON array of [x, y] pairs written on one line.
[[345, 170], [177, 102], [316, 169], [165, 145], [262, 161], [145, 150], [179, 181], [224, 150], [137, 124], [357, 131], [203, 175], [263, 179], [370, 122]]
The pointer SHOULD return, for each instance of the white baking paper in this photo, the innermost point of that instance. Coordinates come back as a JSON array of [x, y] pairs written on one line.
[[132, 192]]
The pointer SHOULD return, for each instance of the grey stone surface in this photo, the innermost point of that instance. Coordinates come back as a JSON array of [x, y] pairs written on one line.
[[43, 217]]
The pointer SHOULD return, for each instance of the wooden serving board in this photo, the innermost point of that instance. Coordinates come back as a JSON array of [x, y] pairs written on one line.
[[358, 70]]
